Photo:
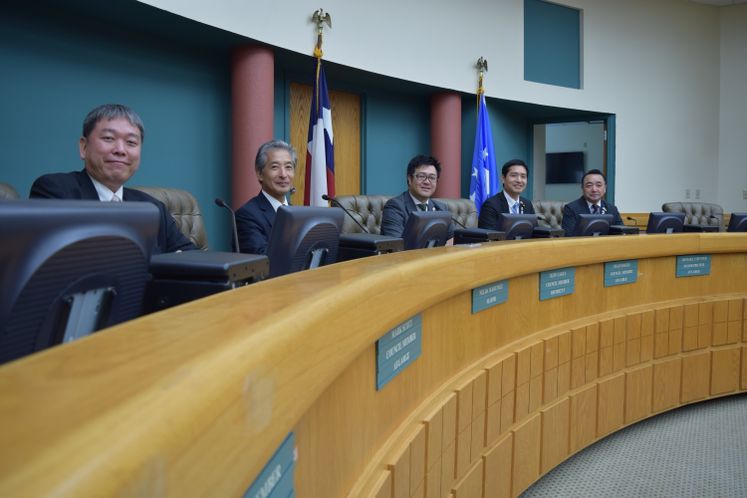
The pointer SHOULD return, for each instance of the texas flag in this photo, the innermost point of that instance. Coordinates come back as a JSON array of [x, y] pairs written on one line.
[[320, 154]]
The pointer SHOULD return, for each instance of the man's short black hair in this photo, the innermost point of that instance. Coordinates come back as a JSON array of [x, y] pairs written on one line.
[[593, 172], [514, 162], [422, 160]]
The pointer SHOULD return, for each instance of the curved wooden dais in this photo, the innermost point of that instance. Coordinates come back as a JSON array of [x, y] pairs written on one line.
[[194, 401]]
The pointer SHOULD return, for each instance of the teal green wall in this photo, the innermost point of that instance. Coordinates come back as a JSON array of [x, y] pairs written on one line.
[[397, 128], [552, 43], [61, 60], [56, 68], [511, 137]]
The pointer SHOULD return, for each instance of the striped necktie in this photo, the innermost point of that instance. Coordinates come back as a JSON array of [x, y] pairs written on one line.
[[423, 206]]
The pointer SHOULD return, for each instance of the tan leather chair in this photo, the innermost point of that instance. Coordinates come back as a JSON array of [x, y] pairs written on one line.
[[463, 210], [7, 192], [368, 210], [186, 212], [551, 210], [697, 213]]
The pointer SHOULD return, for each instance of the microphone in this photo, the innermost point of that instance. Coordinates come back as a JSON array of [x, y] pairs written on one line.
[[221, 203], [458, 222], [337, 203]]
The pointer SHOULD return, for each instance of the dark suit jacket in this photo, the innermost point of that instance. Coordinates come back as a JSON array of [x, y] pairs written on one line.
[[77, 185], [254, 223], [493, 206], [579, 206], [397, 211]]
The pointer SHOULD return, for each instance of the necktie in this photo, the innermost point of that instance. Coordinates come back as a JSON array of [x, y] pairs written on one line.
[[423, 206], [594, 209], [515, 208]]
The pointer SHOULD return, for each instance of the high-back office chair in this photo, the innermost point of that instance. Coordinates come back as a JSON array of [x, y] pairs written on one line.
[[186, 212], [697, 213], [552, 211], [7, 192], [369, 209]]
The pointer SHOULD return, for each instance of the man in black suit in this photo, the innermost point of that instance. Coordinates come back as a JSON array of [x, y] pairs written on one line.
[[514, 176], [422, 177], [276, 166], [110, 149], [593, 186]]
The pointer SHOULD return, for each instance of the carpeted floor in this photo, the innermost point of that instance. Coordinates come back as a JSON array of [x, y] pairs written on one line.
[[695, 451]]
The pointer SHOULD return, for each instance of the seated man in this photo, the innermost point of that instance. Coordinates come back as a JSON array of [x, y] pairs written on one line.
[[593, 186], [275, 165], [110, 149], [514, 175], [422, 177]]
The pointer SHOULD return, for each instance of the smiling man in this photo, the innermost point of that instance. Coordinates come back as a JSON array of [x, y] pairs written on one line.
[[275, 166], [422, 178], [110, 149], [593, 186], [514, 176]]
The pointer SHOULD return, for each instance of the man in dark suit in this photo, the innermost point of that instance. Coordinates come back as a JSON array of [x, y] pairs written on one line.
[[110, 149], [593, 186], [422, 177], [276, 166], [514, 176]]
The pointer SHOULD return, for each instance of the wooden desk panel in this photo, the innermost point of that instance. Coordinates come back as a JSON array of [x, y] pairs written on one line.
[[194, 400]]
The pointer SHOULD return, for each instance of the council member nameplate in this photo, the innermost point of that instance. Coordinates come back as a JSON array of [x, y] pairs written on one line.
[[557, 283], [489, 295], [694, 265], [398, 349], [620, 272]]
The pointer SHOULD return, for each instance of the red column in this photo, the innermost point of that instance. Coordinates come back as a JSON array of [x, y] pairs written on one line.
[[252, 105], [446, 142]]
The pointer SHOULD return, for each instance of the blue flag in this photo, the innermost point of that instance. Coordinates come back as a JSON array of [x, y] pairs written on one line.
[[484, 181]]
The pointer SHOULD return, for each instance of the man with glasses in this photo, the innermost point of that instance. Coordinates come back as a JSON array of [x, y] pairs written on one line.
[[422, 178], [514, 176], [593, 186]]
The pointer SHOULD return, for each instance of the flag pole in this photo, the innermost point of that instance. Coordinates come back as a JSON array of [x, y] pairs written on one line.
[[482, 66]]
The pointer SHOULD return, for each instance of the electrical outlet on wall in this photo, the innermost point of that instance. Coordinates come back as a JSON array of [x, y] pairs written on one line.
[[687, 193], [697, 193], [744, 194]]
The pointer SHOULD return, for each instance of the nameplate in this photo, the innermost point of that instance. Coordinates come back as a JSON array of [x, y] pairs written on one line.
[[693, 266], [620, 272], [276, 478], [397, 349], [556, 283], [489, 295]]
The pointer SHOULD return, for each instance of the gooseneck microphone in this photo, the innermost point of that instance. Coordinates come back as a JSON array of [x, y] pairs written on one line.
[[221, 203], [337, 203], [458, 222]]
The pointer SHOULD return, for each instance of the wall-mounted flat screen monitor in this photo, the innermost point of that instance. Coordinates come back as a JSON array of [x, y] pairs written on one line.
[[564, 167], [517, 226], [70, 268], [593, 225], [426, 229], [303, 238], [660, 222], [737, 222]]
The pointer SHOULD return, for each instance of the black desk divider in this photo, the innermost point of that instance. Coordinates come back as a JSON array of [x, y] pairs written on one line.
[[547, 233], [181, 277], [361, 245], [623, 230], [477, 235]]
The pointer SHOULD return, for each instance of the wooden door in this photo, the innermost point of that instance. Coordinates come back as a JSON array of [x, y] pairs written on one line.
[[346, 129]]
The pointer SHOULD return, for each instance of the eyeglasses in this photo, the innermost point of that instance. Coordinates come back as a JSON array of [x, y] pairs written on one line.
[[421, 177]]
